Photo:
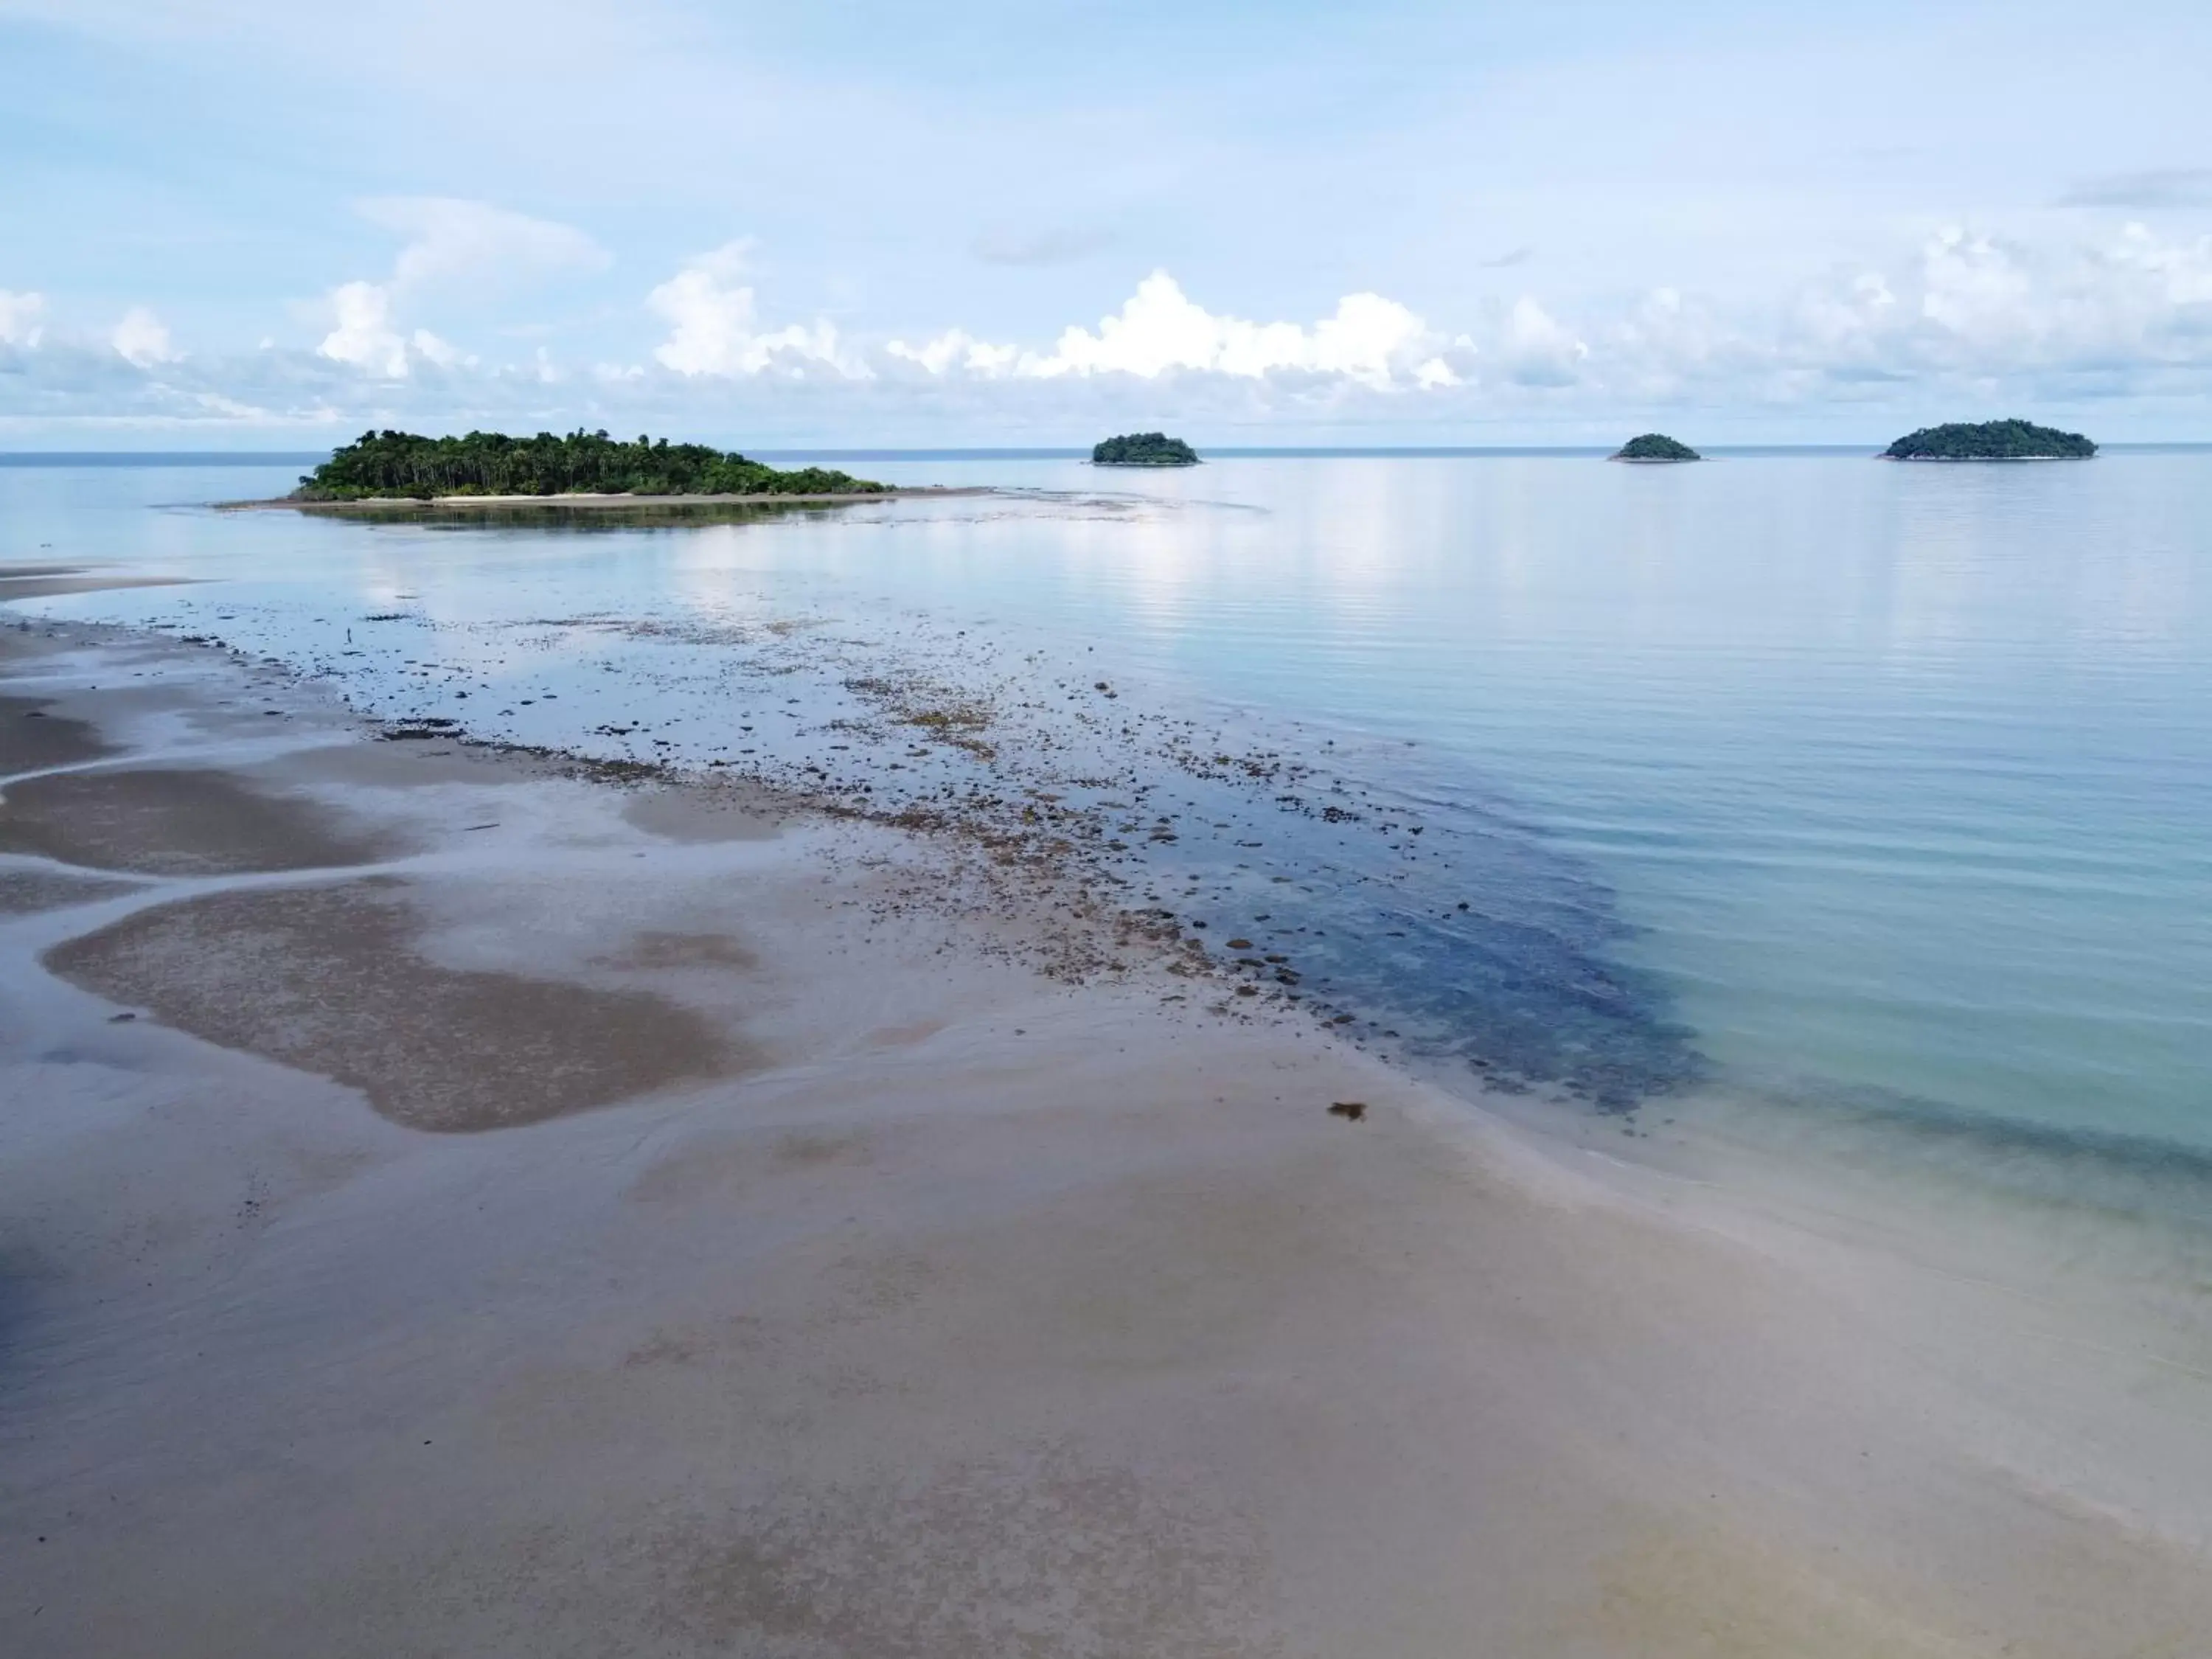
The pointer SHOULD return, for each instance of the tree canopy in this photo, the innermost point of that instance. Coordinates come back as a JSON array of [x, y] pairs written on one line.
[[1656, 446], [1991, 440], [381, 464], [1144, 449]]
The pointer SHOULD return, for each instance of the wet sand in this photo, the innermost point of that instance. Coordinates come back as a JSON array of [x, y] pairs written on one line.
[[160, 820], [525, 1214], [327, 979], [33, 737], [22, 891]]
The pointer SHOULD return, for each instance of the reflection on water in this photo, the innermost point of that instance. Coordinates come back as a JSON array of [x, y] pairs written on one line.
[[1886, 783]]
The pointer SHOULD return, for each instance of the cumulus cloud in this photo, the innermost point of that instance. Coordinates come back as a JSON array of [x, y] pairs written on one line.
[[440, 354], [1982, 293], [1537, 350], [1974, 304], [19, 318], [1160, 330], [449, 242], [1966, 310], [142, 339], [957, 349], [715, 326], [364, 335], [367, 338]]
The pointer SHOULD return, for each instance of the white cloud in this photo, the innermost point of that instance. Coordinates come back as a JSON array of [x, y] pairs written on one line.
[[141, 338], [1159, 331], [364, 336], [449, 242], [1977, 290], [1160, 328], [19, 318], [448, 238], [440, 354], [957, 348], [1971, 305], [1537, 350], [714, 327]]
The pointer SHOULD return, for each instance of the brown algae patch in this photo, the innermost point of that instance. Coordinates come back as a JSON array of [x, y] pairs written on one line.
[[329, 980], [32, 739], [958, 725], [176, 822], [948, 716]]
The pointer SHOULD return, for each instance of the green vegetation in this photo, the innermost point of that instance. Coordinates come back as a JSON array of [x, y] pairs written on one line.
[[399, 464], [1144, 449], [1656, 446], [1991, 440]]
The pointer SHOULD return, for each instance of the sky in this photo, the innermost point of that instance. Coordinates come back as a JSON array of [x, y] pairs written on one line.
[[843, 223]]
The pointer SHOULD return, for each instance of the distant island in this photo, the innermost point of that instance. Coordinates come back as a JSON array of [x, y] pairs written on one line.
[[1144, 449], [388, 465], [1991, 441], [1655, 447]]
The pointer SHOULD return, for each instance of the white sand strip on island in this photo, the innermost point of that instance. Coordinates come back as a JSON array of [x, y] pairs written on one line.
[[454, 1204], [589, 501]]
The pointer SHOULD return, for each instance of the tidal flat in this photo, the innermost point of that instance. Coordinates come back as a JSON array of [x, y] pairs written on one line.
[[534, 1221]]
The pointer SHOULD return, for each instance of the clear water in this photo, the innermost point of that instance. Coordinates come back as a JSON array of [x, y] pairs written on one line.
[[1814, 776]]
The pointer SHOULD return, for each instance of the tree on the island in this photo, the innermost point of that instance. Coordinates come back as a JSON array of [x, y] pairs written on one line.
[[1991, 441], [492, 464], [1144, 449], [1655, 447]]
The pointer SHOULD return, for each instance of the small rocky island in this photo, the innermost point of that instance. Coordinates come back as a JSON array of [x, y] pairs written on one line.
[[400, 465], [1143, 449], [1655, 447], [1991, 441]]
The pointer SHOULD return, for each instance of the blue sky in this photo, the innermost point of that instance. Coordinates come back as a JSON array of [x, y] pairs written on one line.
[[230, 223]]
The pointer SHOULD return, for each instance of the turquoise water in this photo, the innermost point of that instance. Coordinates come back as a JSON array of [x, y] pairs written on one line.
[[1817, 777]]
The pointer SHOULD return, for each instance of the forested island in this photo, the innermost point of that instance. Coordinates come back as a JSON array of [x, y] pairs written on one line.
[[1655, 447], [402, 466], [1144, 449], [1991, 441]]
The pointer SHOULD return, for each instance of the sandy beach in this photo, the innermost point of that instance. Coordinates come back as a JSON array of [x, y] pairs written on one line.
[[456, 1201], [592, 501]]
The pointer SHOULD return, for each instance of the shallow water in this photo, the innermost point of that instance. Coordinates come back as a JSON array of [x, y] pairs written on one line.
[[1823, 780]]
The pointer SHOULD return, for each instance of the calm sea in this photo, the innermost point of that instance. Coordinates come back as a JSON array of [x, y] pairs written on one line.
[[1807, 777]]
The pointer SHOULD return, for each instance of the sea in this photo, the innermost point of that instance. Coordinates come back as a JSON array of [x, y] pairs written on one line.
[[1850, 792]]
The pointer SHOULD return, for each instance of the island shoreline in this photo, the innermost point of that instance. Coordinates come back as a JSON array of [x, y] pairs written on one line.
[[591, 501]]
